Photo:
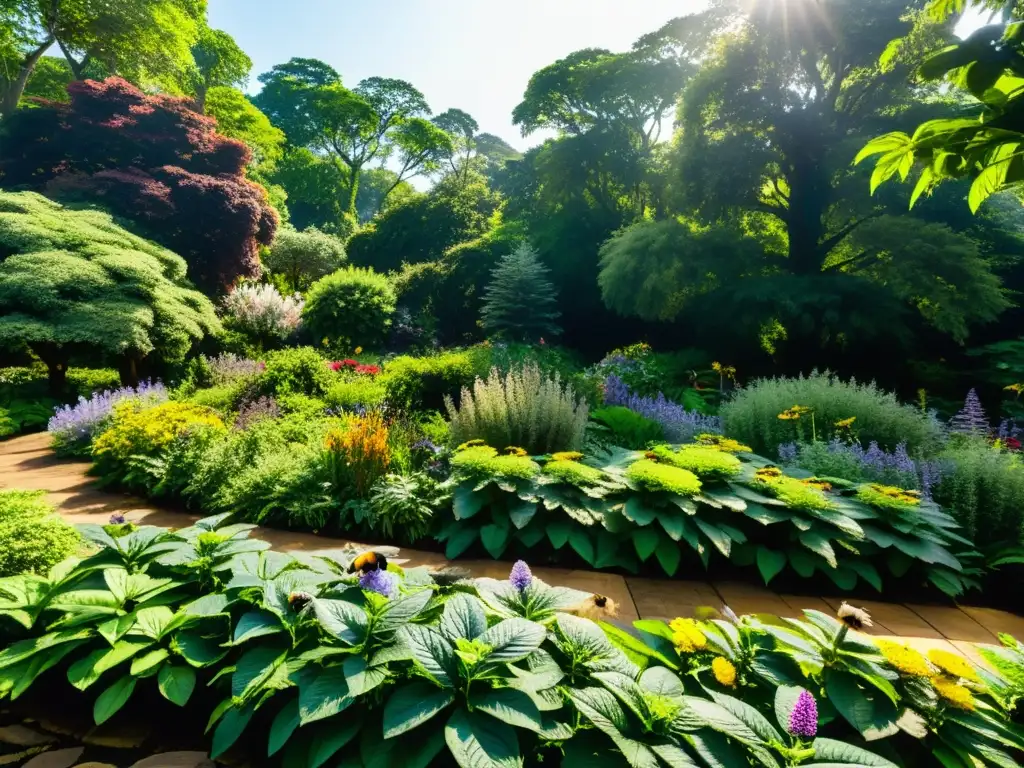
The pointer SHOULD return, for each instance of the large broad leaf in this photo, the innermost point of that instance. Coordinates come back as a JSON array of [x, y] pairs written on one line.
[[510, 706], [580, 541], [323, 694], [432, 652], [329, 739], [605, 713], [638, 512], [87, 671], [460, 540], [177, 683], [865, 707], [750, 717], [494, 537], [513, 639], [254, 668], [521, 512], [929, 551], [411, 750], [463, 617], [558, 532], [668, 556], [829, 751], [342, 619], [645, 540], [256, 623], [230, 727], [401, 611], [112, 699], [662, 682], [476, 741], [284, 725], [412, 705], [466, 503], [198, 650], [770, 563], [722, 720], [721, 539], [820, 545]]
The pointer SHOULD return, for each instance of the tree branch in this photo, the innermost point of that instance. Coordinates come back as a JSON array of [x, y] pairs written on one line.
[[854, 260], [838, 237]]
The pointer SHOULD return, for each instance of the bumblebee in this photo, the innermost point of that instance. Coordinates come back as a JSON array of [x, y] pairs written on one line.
[[596, 608], [369, 561], [298, 601]]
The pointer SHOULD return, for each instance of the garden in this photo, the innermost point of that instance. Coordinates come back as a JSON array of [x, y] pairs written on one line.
[[733, 356]]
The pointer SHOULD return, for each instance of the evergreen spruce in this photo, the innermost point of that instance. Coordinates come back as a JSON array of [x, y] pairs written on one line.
[[520, 301]]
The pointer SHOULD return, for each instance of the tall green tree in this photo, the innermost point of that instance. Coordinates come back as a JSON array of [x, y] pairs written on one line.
[[218, 62], [144, 41], [520, 302]]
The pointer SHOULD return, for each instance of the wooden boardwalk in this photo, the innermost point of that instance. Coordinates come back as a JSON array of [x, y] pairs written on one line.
[[27, 463]]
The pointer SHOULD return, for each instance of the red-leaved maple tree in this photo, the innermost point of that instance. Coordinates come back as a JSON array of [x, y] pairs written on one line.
[[152, 161]]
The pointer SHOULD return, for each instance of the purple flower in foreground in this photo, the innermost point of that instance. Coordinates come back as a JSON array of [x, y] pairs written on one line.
[[381, 582], [520, 577], [118, 519], [803, 720]]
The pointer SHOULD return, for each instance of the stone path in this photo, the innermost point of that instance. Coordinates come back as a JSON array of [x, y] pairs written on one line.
[[26, 462]]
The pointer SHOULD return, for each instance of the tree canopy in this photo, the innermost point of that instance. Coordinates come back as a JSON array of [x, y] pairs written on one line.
[[73, 281]]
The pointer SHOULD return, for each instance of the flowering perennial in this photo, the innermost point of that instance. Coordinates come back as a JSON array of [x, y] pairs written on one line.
[[76, 424], [381, 582], [803, 720], [679, 424], [521, 577]]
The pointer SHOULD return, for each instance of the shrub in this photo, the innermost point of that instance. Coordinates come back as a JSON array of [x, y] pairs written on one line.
[[257, 410], [649, 475], [852, 461], [72, 428], [302, 257], [984, 490], [679, 424], [705, 462], [520, 409], [422, 383], [295, 371], [355, 394], [8, 426], [88, 381], [261, 312], [227, 368], [753, 414], [349, 308], [403, 506], [222, 399], [628, 428], [358, 455], [32, 537]]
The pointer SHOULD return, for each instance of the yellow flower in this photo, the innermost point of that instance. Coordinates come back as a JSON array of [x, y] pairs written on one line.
[[768, 472], [687, 635], [470, 444], [789, 416], [513, 450], [821, 485], [566, 456], [954, 693], [905, 659], [952, 664], [1017, 389], [846, 423], [724, 671], [359, 350], [722, 444]]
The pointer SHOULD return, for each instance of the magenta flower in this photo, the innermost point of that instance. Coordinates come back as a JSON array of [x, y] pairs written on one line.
[[803, 720], [521, 577]]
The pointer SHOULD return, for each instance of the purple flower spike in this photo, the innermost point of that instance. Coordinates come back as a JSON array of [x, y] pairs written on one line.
[[803, 720], [381, 582], [520, 577], [117, 519]]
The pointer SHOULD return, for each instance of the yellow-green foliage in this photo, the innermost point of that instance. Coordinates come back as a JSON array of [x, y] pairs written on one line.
[[573, 472], [722, 443], [32, 538], [888, 497], [795, 493], [144, 432], [651, 476], [484, 460], [706, 463]]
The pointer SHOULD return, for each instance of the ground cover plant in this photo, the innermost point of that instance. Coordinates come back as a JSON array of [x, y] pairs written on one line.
[[33, 538], [336, 653]]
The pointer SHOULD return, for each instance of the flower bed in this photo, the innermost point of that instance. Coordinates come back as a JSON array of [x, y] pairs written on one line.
[[324, 655]]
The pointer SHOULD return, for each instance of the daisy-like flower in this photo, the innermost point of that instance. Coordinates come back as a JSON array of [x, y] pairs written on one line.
[[846, 423], [953, 693], [687, 635], [724, 671], [520, 577], [381, 582], [854, 618], [905, 659], [952, 664], [803, 720]]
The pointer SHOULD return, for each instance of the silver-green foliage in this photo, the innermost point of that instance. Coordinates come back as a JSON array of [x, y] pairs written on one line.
[[523, 408], [72, 277], [520, 301], [403, 506]]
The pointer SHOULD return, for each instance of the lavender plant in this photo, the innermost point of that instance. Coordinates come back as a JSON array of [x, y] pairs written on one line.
[[679, 424], [227, 368], [72, 427], [255, 410], [971, 419]]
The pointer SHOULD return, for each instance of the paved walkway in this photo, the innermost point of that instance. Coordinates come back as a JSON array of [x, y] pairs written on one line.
[[26, 462]]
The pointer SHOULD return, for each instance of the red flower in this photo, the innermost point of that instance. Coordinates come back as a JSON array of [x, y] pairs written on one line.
[[371, 370], [350, 363], [335, 366], [1012, 444]]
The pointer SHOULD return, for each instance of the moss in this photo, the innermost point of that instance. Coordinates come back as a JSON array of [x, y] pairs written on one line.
[[793, 492], [706, 463], [573, 472], [484, 460], [888, 497], [652, 476]]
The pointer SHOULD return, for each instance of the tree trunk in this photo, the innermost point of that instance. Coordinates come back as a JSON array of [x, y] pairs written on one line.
[[353, 190], [128, 369], [56, 360], [201, 99], [809, 196], [16, 87], [77, 67]]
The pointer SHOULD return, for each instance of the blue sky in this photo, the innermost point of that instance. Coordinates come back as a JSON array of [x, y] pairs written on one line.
[[476, 55]]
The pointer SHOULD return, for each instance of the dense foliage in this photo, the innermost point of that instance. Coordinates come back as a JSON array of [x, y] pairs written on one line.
[[32, 537], [349, 308], [330, 652]]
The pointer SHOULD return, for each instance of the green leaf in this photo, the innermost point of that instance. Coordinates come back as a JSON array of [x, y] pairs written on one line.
[[463, 617], [327, 741], [400, 611], [638, 512], [830, 751], [461, 540], [432, 652], [718, 537], [146, 664], [256, 623], [865, 708], [197, 650], [324, 695], [284, 725], [510, 706], [749, 716], [820, 545], [558, 532], [112, 699], [722, 720], [342, 620], [645, 540], [521, 512], [230, 727], [580, 542], [476, 741], [87, 671], [770, 563], [413, 705], [254, 668], [513, 639], [603, 710], [890, 142], [495, 539], [668, 555], [466, 503], [177, 683]]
